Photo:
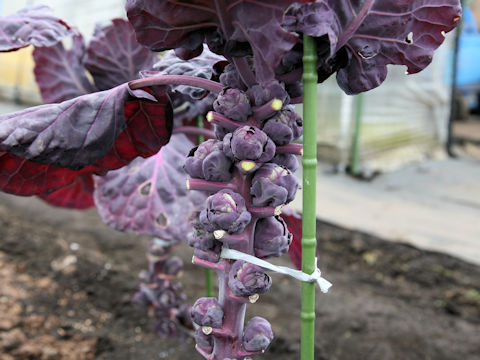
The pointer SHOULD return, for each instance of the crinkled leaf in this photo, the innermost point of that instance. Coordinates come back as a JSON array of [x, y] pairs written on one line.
[[149, 196], [114, 56], [33, 25], [148, 127], [71, 134], [22, 177], [202, 66], [60, 73], [235, 27], [294, 224], [77, 195], [375, 33]]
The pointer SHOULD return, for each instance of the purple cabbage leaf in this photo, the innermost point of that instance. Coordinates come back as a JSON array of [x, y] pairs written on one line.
[[71, 134], [114, 56], [202, 66], [358, 39], [149, 196], [230, 28], [189, 101], [35, 25], [60, 73]]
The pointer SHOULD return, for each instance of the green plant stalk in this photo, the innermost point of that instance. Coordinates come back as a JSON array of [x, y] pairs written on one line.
[[208, 272], [355, 154], [309, 226]]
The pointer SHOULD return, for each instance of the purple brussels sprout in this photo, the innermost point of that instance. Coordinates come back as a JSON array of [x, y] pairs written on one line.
[[201, 239], [158, 248], [173, 266], [230, 77], [249, 143], [204, 342], [166, 298], [245, 279], [262, 94], [234, 104], [284, 127], [257, 335], [217, 167], [225, 210], [141, 299], [220, 131], [272, 237], [144, 277], [273, 185], [212, 255], [288, 161], [166, 328], [207, 312], [166, 267], [207, 161]]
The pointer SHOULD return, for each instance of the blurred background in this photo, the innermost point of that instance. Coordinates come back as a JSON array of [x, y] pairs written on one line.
[[398, 205]]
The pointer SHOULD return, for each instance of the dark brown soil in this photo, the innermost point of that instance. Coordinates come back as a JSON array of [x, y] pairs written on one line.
[[389, 300]]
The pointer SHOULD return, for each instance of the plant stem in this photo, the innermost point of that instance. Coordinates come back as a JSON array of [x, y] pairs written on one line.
[[208, 272], [206, 84], [296, 149], [200, 138], [356, 135], [234, 310], [309, 162]]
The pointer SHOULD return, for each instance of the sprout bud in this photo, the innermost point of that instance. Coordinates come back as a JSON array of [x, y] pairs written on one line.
[[272, 237], [249, 143], [216, 167], [247, 279], [234, 104], [225, 211], [166, 328], [288, 161], [203, 341], [207, 161], [273, 185], [207, 312], [257, 335], [173, 266], [262, 94], [284, 127]]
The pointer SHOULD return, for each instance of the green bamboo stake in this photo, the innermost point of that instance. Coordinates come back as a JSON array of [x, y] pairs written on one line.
[[208, 272], [309, 226], [355, 154]]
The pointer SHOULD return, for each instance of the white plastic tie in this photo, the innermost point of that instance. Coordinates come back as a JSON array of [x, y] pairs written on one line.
[[316, 276]]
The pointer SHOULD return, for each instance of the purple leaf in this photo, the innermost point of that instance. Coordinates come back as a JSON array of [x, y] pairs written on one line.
[[71, 134], [374, 33], [60, 73], [149, 196], [232, 28], [34, 25], [114, 56], [77, 195], [201, 66]]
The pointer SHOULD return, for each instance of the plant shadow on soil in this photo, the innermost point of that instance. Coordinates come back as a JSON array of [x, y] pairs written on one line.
[[66, 281]]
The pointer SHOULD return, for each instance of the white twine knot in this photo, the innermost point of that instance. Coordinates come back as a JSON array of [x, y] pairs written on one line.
[[316, 276]]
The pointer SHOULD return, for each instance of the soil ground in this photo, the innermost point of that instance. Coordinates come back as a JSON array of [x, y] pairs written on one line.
[[66, 281]]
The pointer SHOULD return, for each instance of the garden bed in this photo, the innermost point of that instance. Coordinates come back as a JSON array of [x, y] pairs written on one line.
[[66, 282]]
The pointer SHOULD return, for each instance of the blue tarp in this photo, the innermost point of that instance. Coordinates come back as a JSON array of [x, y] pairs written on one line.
[[468, 70]]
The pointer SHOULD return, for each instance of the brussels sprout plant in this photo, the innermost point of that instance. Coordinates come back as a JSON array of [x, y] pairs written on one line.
[[105, 139]]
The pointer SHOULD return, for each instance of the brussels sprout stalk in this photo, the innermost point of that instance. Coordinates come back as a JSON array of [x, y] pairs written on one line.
[[251, 193]]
